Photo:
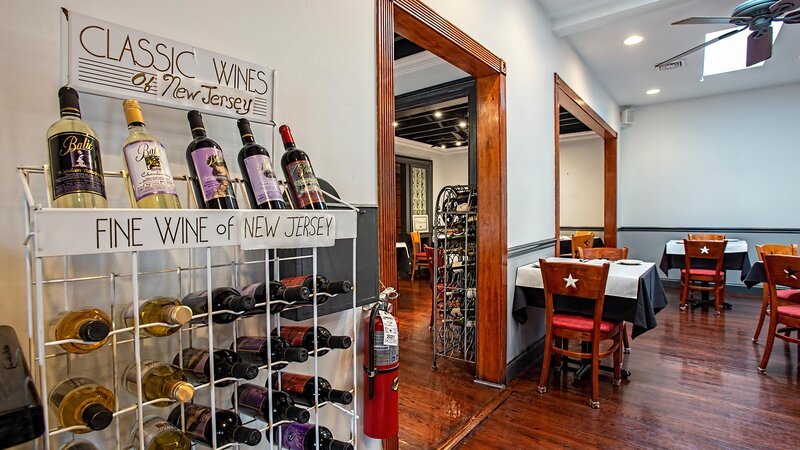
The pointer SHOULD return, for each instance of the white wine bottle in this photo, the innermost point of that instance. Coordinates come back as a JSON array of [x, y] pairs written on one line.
[[158, 309], [150, 182], [81, 401], [87, 324], [76, 172], [158, 434], [159, 380]]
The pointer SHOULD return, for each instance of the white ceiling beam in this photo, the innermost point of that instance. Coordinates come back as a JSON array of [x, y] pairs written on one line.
[[605, 13]]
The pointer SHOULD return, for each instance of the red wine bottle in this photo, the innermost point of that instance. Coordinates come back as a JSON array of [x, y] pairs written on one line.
[[210, 176], [229, 426], [303, 436], [325, 287], [227, 364], [260, 182], [223, 298], [280, 295], [300, 175], [301, 388], [253, 349], [304, 337], [254, 401]]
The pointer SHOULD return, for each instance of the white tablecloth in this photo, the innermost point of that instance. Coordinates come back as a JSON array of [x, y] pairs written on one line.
[[675, 247], [402, 245], [623, 280]]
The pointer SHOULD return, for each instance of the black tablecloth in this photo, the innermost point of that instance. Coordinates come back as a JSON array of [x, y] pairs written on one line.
[[403, 262], [732, 261], [565, 247], [641, 312], [755, 275]]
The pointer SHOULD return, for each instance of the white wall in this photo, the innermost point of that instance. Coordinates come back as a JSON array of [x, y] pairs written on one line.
[[449, 167], [581, 177], [423, 70], [722, 161]]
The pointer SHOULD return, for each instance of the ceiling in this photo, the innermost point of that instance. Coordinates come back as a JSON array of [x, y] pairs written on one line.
[[421, 124], [597, 28], [569, 124]]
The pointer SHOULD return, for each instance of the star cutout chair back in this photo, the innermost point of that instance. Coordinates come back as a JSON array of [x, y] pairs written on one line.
[[782, 270], [580, 283], [707, 237], [703, 264], [582, 239], [785, 295]]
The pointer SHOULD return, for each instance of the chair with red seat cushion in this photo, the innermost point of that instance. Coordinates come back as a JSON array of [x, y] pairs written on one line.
[[785, 295], [583, 282], [782, 270], [418, 254], [704, 254]]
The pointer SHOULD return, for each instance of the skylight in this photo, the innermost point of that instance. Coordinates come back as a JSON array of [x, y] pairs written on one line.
[[729, 55]]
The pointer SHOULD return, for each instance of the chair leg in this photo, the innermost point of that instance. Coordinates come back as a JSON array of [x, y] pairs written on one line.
[[773, 326], [557, 356], [684, 291], [548, 342], [594, 402], [626, 345], [764, 302], [717, 298], [618, 361], [413, 268]]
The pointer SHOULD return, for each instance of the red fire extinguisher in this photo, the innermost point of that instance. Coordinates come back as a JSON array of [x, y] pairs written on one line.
[[381, 367]]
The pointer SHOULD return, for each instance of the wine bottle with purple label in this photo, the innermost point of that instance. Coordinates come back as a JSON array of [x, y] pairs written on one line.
[[210, 175], [301, 388], [254, 400], [303, 436], [260, 182], [229, 426], [227, 364], [253, 349]]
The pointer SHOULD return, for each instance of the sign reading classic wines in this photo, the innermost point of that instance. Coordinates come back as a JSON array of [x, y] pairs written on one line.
[[108, 59]]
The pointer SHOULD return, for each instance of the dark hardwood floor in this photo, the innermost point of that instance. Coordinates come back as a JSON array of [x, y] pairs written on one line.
[[433, 403], [694, 384]]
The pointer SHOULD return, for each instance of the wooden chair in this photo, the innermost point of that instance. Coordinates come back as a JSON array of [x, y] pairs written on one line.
[[582, 239], [706, 237], [436, 281], [610, 254], [713, 251], [418, 254], [773, 249], [586, 283], [782, 270]]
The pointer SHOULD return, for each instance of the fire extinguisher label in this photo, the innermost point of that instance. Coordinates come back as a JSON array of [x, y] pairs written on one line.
[[390, 335], [385, 355]]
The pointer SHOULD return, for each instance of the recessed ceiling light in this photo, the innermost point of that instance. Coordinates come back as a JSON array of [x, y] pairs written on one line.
[[437, 114], [633, 40], [442, 146], [394, 124], [462, 124], [458, 143], [653, 91]]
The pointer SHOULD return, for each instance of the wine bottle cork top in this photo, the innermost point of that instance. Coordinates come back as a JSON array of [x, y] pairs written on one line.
[[182, 391], [133, 112], [178, 314]]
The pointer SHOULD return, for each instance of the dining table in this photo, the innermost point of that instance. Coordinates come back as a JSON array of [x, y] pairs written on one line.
[[403, 258], [565, 245]]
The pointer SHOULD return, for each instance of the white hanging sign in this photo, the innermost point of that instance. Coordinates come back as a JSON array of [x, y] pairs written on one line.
[[109, 59], [291, 229]]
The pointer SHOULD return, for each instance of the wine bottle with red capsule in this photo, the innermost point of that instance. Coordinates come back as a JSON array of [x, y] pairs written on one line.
[[301, 389], [300, 175], [304, 337]]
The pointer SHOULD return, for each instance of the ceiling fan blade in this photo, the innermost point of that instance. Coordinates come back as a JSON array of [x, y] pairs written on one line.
[[784, 5], [791, 18], [701, 46], [759, 46], [706, 20]]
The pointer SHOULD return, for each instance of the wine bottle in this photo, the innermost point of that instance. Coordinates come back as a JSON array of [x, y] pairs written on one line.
[[300, 175], [301, 388], [167, 310], [254, 401], [81, 401], [303, 436], [21, 413], [79, 445], [149, 178], [260, 182], [159, 380], [254, 349], [227, 364], [159, 434], [76, 172], [210, 175], [304, 337], [222, 298], [87, 324], [229, 426], [280, 296], [325, 287]]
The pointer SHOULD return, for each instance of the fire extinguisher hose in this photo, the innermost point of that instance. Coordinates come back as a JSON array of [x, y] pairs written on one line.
[[371, 344]]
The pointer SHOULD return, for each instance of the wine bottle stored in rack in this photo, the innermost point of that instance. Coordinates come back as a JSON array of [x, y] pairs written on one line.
[[302, 436], [227, 364], [299, 174], [166, 310], [254, 401], [253, 349], [222, 299], [325, 287], [159, 380], [91, 325], [280, 295], [210, 175], [229, 426], [159, 434], [81, 401], [301, 388], [303, 336], [260, 183]]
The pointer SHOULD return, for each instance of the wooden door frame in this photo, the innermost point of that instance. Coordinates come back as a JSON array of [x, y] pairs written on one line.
[[418, 23], [568, 99]]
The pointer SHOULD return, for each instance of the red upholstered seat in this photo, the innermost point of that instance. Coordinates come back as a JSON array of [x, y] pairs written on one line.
[[422, 255], [580, 323], [789, 295], [790, 310], [703, 272]]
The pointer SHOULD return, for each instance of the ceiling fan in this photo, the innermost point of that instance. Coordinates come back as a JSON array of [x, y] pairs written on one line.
[[755, 15]]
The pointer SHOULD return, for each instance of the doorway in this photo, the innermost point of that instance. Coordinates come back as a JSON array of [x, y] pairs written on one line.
[[573, 112]]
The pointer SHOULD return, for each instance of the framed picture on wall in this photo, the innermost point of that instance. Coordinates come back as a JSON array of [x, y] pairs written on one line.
[[420, 223]]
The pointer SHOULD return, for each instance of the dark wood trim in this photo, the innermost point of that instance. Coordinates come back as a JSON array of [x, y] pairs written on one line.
[[712, 230], [565, 227], [415, 21], [528, 358], [524, 249], [462, 432], [411, 162], [568, 99]]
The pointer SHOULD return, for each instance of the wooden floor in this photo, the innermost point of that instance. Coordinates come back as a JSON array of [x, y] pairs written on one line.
[[694, 384], [433, 403]]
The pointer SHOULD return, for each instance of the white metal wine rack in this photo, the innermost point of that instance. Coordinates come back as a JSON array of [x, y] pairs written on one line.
[[40, 268]]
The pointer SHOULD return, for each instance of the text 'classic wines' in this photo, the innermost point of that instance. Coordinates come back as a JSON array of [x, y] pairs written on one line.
[[300, 175], [212, 183], [81, 401], [76, 172], [261, 184], [229, 426]]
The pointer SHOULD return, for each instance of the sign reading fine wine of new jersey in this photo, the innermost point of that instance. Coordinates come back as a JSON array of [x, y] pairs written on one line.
[[289, 229], [112, 60]]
